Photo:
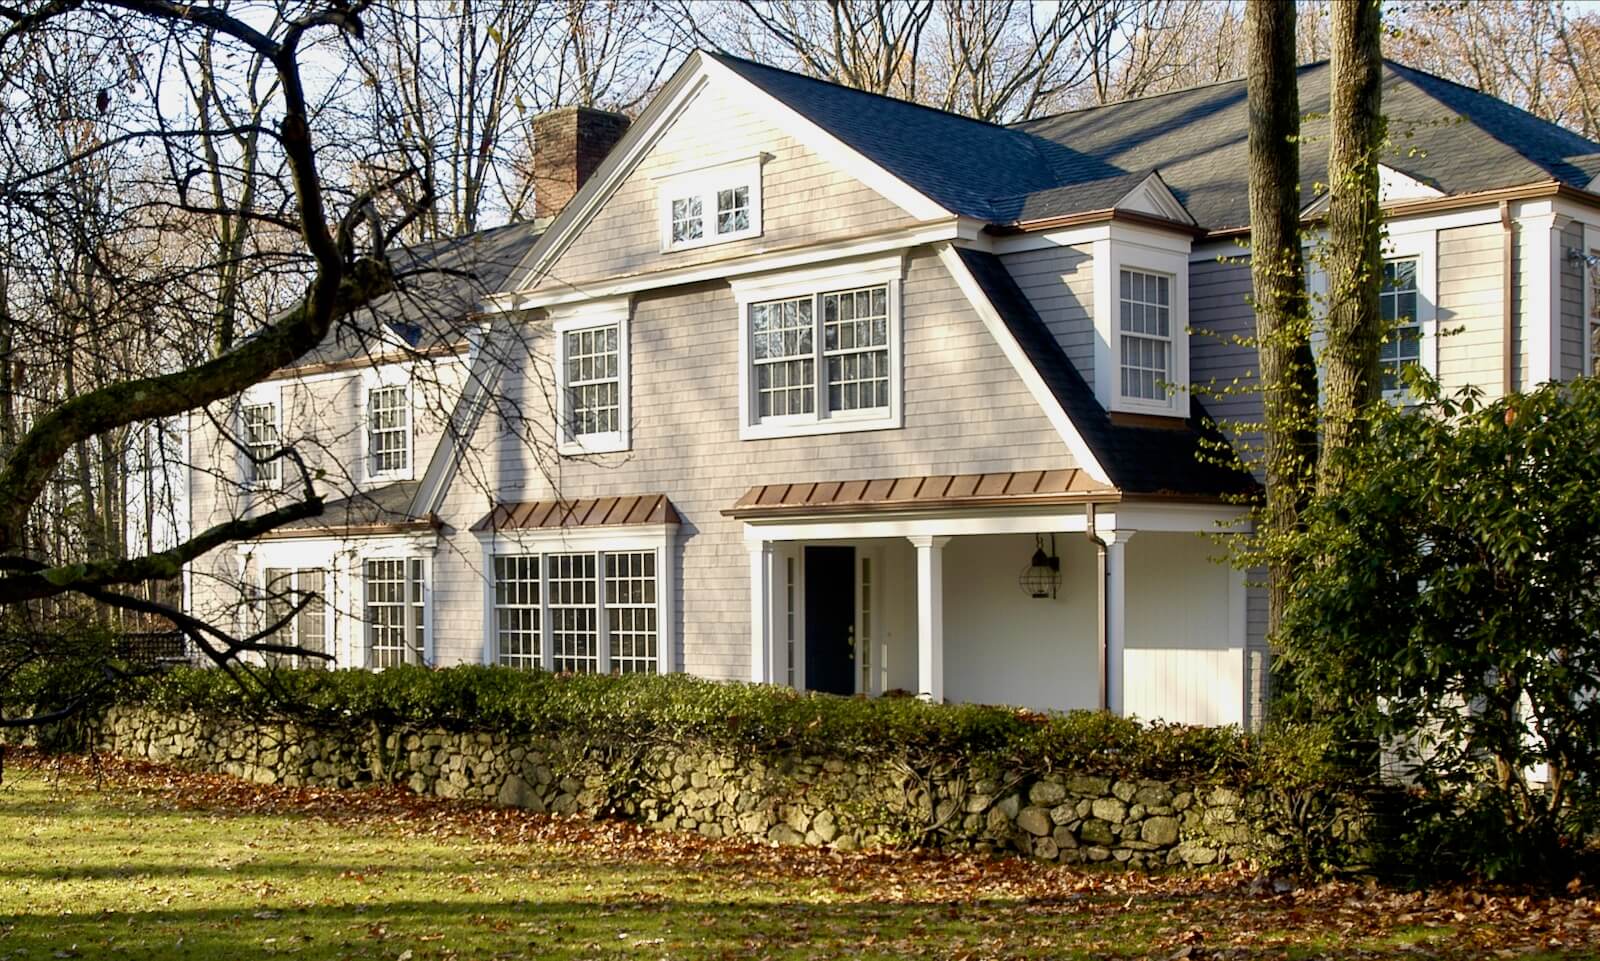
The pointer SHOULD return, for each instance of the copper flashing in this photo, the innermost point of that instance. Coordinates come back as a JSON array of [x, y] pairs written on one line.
[[937, 491], [620, 511]]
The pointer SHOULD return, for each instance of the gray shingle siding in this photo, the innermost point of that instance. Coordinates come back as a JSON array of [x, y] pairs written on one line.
[[1571, 302]]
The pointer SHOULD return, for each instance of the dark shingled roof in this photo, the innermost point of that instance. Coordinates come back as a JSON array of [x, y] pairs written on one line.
[[382, 507], [1446, 135], [1140, 460], [440, 289]]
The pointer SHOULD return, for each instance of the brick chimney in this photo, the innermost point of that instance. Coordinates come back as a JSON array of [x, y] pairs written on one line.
[[568, 144]]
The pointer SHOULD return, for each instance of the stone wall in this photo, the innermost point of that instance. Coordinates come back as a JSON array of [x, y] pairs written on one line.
[[817, 801]]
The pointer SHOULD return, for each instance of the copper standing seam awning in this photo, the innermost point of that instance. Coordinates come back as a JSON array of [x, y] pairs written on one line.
[[1006, 489], [581, 512]]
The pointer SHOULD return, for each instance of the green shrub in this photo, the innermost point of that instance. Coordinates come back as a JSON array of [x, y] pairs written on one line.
[[680, 708]]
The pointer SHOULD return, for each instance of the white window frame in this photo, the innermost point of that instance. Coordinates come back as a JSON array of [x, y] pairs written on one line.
[[1170, 339], [658, 538], [325, 592], [704, 183], [259, 395], [884, 271], [604, 313], [379, 378], [1152, 252], [405, 555], [1423, 247]]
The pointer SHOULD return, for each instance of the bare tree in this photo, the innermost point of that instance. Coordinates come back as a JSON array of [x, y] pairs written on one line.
[[1277, 270], [1352, 256]]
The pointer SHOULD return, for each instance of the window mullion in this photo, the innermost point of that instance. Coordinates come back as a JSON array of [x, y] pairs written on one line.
[[602, 629], [819, 363], [547, 657]]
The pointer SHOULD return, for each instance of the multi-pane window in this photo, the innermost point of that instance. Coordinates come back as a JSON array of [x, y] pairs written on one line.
[[260, 423], [517, 625], [1397, 305], [593, 380], [710, 206], [590, 608], [688, 219], [783, 348], [852, 327], [733, 210], [284, 589], [855, 342], [395, 611], [1146, 334], [388, 430], [574, 618], [631, 611]]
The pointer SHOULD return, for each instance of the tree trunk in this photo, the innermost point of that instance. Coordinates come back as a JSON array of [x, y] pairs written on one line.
[[1277, 273], [1354, 261]]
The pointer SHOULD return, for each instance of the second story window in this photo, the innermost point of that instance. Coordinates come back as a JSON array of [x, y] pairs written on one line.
[[388, 431], [824, 358], [711, 205], [1145, 325], [1397, 305], [591, 368], [261, 441]]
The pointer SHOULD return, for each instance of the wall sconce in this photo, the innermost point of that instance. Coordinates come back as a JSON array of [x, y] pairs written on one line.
[[1043, 574], [1577, 256]]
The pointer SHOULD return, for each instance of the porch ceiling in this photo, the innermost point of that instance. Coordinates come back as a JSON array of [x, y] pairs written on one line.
[[937, 491], [582, 512]]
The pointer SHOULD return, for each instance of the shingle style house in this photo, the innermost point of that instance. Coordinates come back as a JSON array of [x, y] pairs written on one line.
[[813, 387]]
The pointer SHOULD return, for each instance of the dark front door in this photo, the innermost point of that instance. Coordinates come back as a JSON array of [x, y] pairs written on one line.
[[831, 619]]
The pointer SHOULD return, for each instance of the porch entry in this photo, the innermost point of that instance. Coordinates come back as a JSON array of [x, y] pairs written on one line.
[[830, 621]]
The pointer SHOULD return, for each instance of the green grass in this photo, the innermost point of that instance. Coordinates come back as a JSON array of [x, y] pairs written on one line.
[[147, 867]]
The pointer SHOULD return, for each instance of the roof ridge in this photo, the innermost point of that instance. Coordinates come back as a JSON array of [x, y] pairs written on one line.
[[1143, 97], [999, 127]]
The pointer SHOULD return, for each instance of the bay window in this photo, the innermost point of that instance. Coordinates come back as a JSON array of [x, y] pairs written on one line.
[[284, 589]]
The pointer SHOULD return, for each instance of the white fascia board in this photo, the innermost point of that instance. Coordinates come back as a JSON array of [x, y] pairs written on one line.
[[786, 259], [827, 146], [1045, 239], [556, 539], [1046, 400], [324, 550]]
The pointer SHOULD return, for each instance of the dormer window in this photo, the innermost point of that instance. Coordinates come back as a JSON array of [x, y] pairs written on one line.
[[1141, 311], [386, 436], [711, 205], [1146, 330]]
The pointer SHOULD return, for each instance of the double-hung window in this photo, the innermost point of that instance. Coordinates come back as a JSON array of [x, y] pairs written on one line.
[[1397, 306], [579, 611], [261, 441], [711, 205], [396, 620], [388, 434], [821, 359], [1145, 328], [284, 590], [591, 366]]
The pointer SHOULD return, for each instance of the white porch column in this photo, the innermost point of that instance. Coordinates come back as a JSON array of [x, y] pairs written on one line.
[[762, 578], [930, 614], [1116, 616]]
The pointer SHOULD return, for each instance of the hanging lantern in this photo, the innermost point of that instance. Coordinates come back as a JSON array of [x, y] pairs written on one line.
[[1043, 574]]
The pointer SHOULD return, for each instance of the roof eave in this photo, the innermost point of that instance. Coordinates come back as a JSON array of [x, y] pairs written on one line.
[[1104, 215]]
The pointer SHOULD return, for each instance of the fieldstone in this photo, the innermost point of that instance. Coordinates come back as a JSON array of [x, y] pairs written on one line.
[[1064, 813], [1136, 812], [1045, 848], [1124, 790], [1084, 784], [826, 826], [1009, 805], [786, 835], [797, 820], [1034, 820], [1096, 831], [1122, 854], [1047, 794], [1098, 853], [1153, 796], [514, 793], [1159, 830], [1182, 801], [1109, 809], [1193, 852], [1063, 838]]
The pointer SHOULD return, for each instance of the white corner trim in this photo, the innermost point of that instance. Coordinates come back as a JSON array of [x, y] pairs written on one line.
[[1541, 307], [887, 271], [614, 311], [826, 145], [1019, 362]]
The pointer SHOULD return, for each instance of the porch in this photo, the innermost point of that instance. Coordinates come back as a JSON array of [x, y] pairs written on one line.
[[871, 594]]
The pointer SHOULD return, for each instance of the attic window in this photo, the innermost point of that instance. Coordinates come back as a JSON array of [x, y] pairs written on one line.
[[711, 205]]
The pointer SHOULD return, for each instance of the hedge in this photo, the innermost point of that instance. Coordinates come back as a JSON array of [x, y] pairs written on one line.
[[680, 708]]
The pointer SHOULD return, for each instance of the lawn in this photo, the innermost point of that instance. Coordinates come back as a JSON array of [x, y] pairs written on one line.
[[136, 861]]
